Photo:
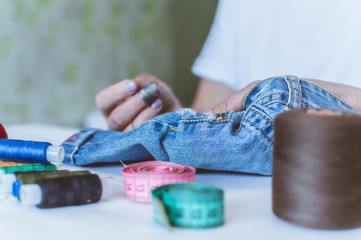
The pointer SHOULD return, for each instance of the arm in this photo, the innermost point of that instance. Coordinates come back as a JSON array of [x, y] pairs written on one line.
[[348, 94], [210, 93]]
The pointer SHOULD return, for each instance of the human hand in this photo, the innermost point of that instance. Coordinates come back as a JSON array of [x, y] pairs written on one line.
[[235, 101], [125, 110]]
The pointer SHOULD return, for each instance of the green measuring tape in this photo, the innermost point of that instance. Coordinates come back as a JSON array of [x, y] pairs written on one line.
[[192, 205], [27, 168]]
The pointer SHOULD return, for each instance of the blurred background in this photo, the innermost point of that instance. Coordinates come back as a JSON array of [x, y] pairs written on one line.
[[56, 55]]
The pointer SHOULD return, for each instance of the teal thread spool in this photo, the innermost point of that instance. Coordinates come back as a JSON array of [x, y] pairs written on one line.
[[191, 205], [28, 168], [31, 178]]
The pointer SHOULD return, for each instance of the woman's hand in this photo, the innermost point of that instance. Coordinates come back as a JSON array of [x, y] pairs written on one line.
[[124, 109], [235, 101]]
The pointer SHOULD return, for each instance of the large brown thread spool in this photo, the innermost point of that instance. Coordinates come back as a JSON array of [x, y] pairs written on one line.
[[317, 168]]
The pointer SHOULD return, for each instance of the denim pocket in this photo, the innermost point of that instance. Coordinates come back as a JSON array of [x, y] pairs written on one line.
[[223, 141]]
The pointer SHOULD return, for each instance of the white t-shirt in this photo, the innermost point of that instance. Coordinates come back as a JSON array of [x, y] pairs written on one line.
[[257, 39]]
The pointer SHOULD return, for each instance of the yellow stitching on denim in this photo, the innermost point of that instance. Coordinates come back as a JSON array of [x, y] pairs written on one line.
[[299, 90], [274, 93], [205, 120], [249, 92], [300, 93], [273, 100], [260, 130], [261, 116], [289, 81], [162, 123], [227, 118], [293, 90], [173, 128]]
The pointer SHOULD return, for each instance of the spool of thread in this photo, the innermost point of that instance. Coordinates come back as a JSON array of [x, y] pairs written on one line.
[[65, 191], [317, 168], [31, 178], [7, 180], [27, 168], [141, 178], [9, 163], [3, 133], [149, 93], [191, 205], [30, 151]]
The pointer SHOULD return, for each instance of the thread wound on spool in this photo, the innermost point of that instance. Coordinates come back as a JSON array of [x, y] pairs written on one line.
[[23, 151], [29, 178], [3, 133], [7, 180], [66, 191], [28, 168], [9, 163], [316, 168]]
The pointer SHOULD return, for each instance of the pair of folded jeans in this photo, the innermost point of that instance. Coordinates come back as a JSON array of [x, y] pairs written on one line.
[[228, 141]]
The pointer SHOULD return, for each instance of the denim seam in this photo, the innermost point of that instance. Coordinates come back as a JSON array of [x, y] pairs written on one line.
[[164, 123], [247, 95], [241, 122], [267, 96], [259, 129], [289, 81], [211, 121], [251, 90], [308, 105], [246, 112], [75, 150], [205, 120], [261, 116], [300, 94], [273, 100]]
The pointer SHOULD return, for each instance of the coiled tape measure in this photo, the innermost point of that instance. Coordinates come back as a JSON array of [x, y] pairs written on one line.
[[141, 178], [191, 205]]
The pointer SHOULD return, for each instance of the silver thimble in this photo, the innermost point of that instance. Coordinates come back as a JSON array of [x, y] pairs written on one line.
[[149, 93]]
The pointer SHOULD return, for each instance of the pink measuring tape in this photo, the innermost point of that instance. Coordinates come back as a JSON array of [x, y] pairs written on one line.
[[141, 178]]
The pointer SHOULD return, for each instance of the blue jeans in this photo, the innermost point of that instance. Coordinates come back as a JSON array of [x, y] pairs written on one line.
[[228, 141]]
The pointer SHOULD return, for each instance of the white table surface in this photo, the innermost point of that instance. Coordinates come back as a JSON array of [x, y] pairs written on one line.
[[248, 213]]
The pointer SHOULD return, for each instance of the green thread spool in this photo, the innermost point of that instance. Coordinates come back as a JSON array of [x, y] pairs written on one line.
[[191, 205], [31, 178], [7, 180], [28, 168]]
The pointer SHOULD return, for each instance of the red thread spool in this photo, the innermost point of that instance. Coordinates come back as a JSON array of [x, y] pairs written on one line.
[[3, 133]]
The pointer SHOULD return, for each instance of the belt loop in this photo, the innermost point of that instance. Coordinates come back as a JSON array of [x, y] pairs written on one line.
[[295, 92]]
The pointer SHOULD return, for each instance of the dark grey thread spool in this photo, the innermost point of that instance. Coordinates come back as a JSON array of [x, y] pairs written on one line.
[[66, 191], [317, 168], [149, 93], [21, 174]]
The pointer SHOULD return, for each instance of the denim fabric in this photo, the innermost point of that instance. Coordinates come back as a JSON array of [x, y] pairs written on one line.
[[229, 141]]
